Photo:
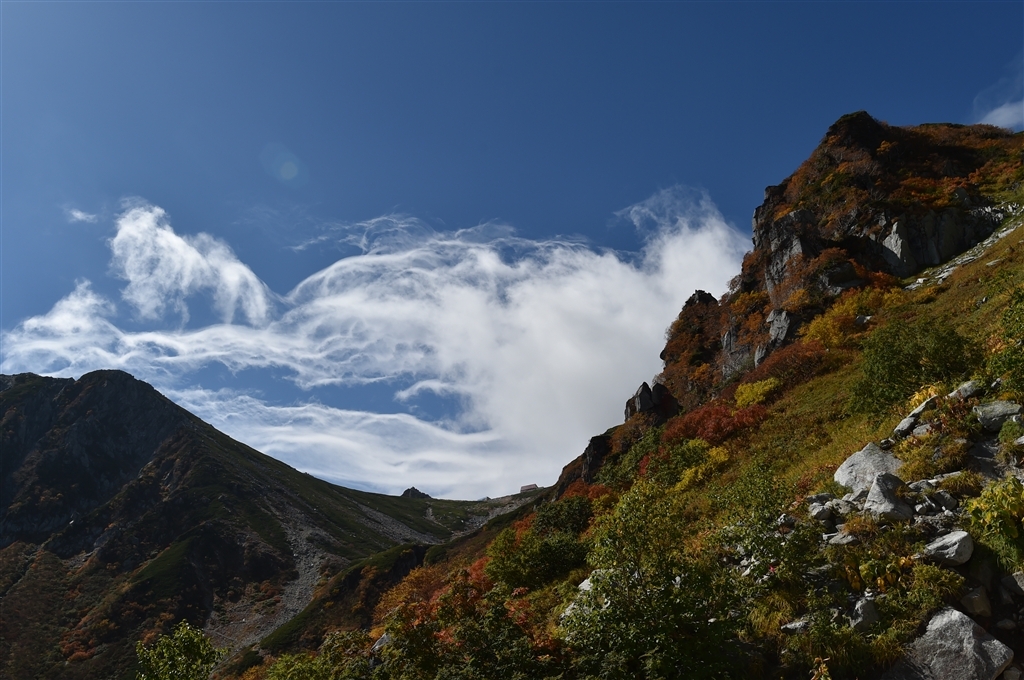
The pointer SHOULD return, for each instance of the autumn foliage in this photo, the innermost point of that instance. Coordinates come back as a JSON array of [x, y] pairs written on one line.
[[714, 423]]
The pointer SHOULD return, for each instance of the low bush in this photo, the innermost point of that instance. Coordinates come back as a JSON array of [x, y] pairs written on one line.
[[792, 365], [900, 357], [1009, 360], [185, 654], [654, 609], [714, 423], [837, 327], [749, 394], [549, 548], [995, 518]]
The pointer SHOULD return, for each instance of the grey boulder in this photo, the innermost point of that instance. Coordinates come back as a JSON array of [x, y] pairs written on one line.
[[865, 615], [953, 549], [1014, 582], [905, 427], [858, 471], [883, 499], [966, 391], [993, 414], [953, 648], [977, 603]]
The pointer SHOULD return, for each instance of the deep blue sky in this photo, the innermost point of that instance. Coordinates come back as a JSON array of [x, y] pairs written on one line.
[[548, 117]]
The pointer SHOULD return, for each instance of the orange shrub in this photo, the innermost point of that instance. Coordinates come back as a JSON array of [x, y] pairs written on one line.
[[792, 364], [714, 423]]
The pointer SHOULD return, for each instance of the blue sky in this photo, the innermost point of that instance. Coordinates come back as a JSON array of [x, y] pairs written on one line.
[[425, 243]]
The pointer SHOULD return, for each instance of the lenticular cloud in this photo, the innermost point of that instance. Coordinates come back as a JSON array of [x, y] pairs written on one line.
[[538, 342]]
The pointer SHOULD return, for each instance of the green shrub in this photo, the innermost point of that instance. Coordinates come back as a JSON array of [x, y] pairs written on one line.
[[899, 358], [620, 474], [528, 559], [1009, 450], [342, 656], [676, 460], [1009, 361], [655, 609], [995, 520], [570, 515], [185, 654]]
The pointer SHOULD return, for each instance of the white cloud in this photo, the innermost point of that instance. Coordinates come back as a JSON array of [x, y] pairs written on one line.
[[162, 269], [1009, 115], [540, 341], [75, 215], [1002, 103]]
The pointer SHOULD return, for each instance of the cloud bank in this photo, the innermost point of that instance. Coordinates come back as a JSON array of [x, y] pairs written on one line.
[[539, 343]]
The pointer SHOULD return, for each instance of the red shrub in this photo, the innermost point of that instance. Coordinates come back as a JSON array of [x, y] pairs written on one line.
[[713, 423], [792, 364], [581, 488]]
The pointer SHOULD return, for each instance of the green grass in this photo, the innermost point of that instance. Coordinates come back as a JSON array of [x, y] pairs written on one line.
[[164, 576]]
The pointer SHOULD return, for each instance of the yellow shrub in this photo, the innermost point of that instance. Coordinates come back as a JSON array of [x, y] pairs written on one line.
[[716, 459], [834, 328], [756, 392]]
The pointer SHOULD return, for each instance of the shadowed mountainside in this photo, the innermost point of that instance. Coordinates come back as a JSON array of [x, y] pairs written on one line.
[[122, 512]]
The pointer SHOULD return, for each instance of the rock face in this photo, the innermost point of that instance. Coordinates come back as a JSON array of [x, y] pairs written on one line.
[[860, 470], [872, 200], [81, 441], [886, 234], [953, 648], [647, 400], [594, 455]]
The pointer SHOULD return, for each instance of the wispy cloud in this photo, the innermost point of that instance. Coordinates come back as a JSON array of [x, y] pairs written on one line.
[[541, 341], [163, 269], [75, 215], [1002, 103]]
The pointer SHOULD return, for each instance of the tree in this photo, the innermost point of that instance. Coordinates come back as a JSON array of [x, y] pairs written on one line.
[[655, 609], [342, 656], [185, 654]]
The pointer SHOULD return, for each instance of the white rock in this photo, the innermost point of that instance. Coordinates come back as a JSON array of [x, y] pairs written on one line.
[[883, 501], [820, 512], [859, 470], [952, 549], [864, 616], [905, 427], [922, 407], [794, 627], [966, 391]]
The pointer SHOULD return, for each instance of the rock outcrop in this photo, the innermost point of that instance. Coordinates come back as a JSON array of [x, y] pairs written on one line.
[[872, 202]]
